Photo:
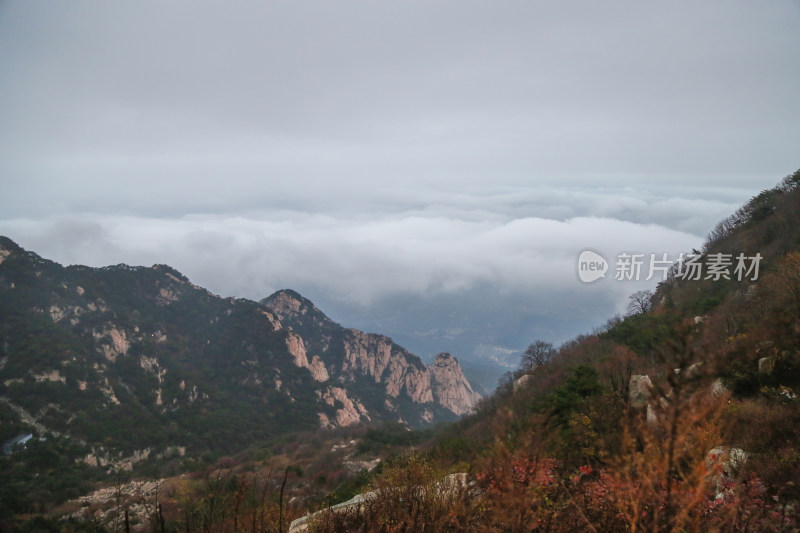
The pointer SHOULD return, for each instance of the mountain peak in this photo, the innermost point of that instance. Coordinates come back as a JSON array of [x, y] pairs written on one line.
[[7, 247], [444, 359], [452, 389], [290, 305]]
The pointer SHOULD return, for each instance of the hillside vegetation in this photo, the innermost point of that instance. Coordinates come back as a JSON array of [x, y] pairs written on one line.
[[681, 416]]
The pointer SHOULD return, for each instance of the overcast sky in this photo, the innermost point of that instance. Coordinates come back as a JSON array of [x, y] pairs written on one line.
[[361, 150]]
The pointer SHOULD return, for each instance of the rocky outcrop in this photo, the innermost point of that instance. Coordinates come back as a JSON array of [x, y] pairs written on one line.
[[718, 388], [376, 356], [285, 303], [103, 506], [52, 375], [522, 382], [371, 355], [351, 412], [297, 348], [639, 390], [450, 387], [317, 369], [442, 383], [289, 305], [723, 464], [349, 355], [273, 320], [7, 247], [113, 342]]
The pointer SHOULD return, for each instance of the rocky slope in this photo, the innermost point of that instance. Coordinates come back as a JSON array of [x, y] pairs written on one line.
[[131, 363]]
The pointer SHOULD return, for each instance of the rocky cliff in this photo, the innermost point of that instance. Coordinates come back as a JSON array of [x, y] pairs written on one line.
[[350, 356]]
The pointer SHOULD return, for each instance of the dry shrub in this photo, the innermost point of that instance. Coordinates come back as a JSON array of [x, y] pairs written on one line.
[[410, 495], [521, 493]]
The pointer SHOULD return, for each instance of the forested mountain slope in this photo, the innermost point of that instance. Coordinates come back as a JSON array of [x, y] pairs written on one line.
[[683, 415], [119, 367]]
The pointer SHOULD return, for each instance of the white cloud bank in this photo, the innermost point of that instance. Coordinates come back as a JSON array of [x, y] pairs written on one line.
[[356, 260]]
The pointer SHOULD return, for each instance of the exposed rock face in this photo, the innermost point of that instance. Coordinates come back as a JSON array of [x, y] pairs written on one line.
[[297, 348], [102, 506], [371, 355], [4, 252], [317, 369], [723, 464], [718, 388], [273, 320], [450, 388], [53, 375], [289, 303], [351, 356], [639, 390], [351, 412], [118, 344], [522, 382], [167, 296], [442, 383]]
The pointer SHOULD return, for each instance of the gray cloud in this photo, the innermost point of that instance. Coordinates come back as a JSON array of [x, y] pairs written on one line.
[[355, 259], [363, 150]]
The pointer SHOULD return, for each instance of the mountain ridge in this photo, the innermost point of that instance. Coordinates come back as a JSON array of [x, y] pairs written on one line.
[[122, 359]]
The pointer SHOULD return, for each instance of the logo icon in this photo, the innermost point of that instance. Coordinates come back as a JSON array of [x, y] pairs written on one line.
[[591, 266]]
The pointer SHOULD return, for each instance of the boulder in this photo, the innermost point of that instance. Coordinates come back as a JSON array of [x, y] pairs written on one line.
[[639, 389], [723, 463], [691, 371], [718, 388], [522, 382], [766, 365]]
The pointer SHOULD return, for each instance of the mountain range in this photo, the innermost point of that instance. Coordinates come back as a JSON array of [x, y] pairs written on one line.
[[129, 363]]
